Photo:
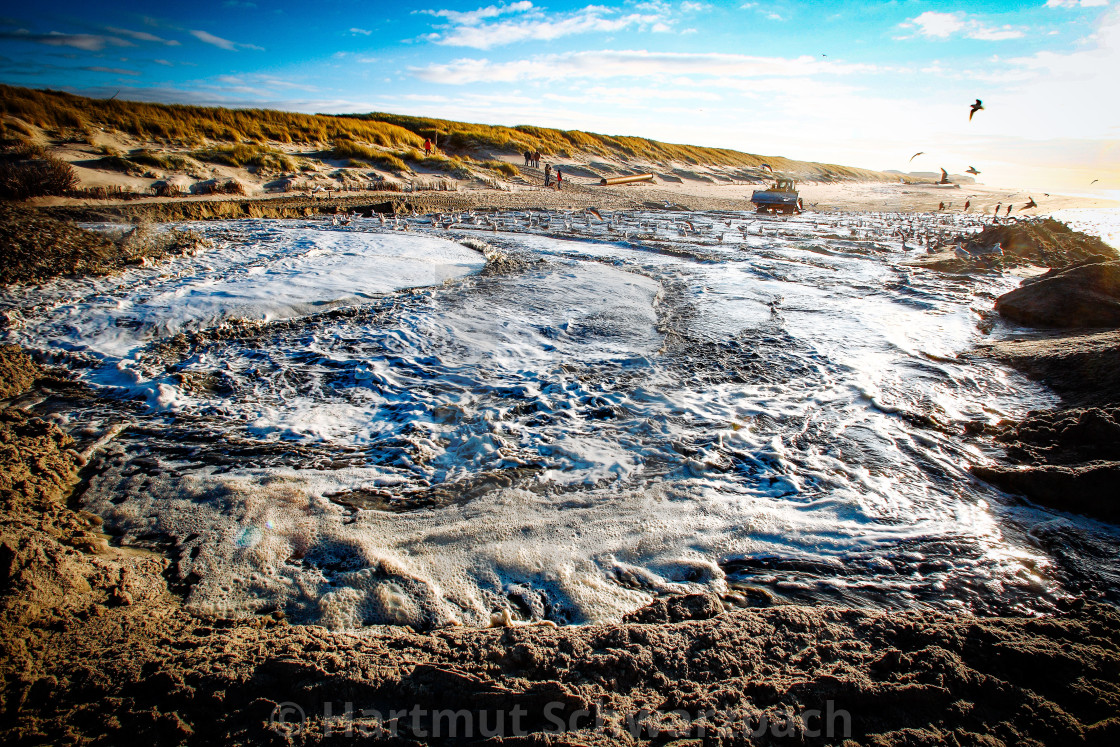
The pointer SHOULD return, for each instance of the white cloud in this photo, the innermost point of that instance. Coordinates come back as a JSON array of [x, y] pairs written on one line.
[[114, 70], [141, 36], [474, 17], [86, 42], [935, 25], [690, 7], [629, 63], [471, 30], [363, 32], [1076, 3], [217, 41], [938, 25]]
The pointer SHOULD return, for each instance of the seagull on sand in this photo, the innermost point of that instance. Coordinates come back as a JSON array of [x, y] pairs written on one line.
[[1030, 204], [1009, 210], [944, 177], [971, 170], [967, 203], [975, 108], [998, 206], [921, 152]]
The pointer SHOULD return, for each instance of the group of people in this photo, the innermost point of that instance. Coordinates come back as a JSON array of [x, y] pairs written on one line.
[[533, 158]]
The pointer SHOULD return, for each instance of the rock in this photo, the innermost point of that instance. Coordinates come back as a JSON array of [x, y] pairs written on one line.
[[1088, 489], [1086, 295], [1083, 368]]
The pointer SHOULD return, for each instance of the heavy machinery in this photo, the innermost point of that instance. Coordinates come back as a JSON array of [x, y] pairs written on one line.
[[781, 197]]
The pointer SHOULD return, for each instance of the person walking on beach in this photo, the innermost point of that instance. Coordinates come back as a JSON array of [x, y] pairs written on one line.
[[528, 158], [537, 159], [427, 147], [547, 174], [559, 179]]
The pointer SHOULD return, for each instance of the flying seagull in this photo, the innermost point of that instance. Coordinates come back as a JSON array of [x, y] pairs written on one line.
[[768, 167], [967, 203], [944, 177], [595, 212], [975, 108], [1030, 204], [1093, 182], [971, 170], [916, 155]]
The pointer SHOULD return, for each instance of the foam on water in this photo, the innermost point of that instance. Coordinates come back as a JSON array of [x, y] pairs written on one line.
[[659, 403]]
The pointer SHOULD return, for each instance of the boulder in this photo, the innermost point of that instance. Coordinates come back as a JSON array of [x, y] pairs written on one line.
[[1084, 295]]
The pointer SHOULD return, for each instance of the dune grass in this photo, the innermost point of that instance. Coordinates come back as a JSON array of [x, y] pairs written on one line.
[[168, 162], [261, 158], [357, 152], [58, 111], [464, 137]]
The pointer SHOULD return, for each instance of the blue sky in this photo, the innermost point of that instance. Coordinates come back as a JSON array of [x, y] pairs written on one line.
[[858, 83]]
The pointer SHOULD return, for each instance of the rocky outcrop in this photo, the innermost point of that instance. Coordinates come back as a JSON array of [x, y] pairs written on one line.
[[1082, 295]]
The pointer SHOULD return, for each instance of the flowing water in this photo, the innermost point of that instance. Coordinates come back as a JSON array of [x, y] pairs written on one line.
[[554, 414]]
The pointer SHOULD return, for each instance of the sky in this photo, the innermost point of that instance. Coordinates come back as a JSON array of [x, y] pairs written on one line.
[[856, 83]]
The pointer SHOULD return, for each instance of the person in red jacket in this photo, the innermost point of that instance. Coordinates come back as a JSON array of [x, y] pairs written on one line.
[[427, 147]]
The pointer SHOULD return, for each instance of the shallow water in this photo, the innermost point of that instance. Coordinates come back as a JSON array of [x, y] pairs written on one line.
[[357, 424]]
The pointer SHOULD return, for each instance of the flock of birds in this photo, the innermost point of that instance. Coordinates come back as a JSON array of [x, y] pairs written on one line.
[[976, 106], [566, 222], [876, 231]]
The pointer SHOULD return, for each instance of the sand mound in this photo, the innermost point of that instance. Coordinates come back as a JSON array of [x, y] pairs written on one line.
[[1045, 242], [35, 247]]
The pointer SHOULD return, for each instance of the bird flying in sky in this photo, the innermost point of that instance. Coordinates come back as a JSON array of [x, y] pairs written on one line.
[[1093, 182], [1030, 204], [975, 108], [971, 170], [595, 212], [916, 155]]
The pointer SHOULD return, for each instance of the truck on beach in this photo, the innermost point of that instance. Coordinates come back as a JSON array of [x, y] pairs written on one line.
[[781, 197]]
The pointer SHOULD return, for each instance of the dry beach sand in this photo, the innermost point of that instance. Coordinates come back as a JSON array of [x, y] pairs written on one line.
[[96, 648]]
